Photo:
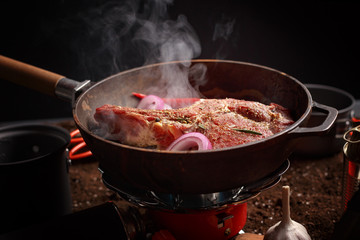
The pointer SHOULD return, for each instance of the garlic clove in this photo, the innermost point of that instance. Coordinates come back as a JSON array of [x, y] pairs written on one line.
[[287, 228]]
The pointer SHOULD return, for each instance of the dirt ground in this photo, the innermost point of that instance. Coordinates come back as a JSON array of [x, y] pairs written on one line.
[[315, 194], [315, 197]]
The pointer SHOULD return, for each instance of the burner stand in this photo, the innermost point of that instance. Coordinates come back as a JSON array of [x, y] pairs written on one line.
[[171, 201], [212, 216]]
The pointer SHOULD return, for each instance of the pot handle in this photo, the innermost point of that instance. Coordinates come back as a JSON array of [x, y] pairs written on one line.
[[28, 76], [321, 129], [39, 79]]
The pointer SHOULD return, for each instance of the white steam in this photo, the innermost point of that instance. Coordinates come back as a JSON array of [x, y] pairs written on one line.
[[170, 40], [166, 41], [131, 33], [223, 29], [222, 35]]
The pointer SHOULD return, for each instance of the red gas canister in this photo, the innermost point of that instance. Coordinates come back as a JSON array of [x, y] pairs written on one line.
[[216, 224]]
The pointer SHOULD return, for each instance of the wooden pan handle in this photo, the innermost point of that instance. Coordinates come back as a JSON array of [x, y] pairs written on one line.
[[28, 76]]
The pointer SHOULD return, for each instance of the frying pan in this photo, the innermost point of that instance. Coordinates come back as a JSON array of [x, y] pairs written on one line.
[[183, 172]]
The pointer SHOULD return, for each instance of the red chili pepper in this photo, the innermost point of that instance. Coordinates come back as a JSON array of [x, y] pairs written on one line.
[[173, 102], [138, 95], [355, 120], [73, 155]]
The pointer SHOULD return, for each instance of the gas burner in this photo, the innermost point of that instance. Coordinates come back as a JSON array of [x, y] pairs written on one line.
[[193, 201]]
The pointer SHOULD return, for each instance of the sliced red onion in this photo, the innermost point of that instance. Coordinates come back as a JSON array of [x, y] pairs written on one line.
[[167, 106], [190, 141], [151, 102]]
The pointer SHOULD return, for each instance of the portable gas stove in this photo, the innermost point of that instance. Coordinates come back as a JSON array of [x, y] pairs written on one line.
[[217, 216]]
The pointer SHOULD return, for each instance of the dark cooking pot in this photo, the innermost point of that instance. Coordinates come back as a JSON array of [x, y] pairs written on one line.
[[333, 141], [198, 171], [34, 180]]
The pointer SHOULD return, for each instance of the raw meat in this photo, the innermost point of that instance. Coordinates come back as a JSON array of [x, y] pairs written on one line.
[[225, 122]]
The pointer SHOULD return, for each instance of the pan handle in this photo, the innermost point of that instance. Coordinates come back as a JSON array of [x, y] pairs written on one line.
[[39, 79], [321, 129], [28, 76]]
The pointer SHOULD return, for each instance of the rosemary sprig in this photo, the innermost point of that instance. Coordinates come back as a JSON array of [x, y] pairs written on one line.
[[182, 119], [202, 126], [247, 131]]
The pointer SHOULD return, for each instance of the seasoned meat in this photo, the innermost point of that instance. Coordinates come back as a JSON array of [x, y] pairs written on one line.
[[225, 122]]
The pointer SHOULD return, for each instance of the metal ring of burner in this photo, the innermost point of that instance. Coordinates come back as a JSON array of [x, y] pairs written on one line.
[[195, 201]]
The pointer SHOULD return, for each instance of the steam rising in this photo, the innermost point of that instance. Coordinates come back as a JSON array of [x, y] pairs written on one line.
[[222, 34], [167, 41], [132, 33], [223, 29]]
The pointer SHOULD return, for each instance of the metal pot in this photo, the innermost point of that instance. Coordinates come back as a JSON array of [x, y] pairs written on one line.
[[194, 172], [333, 141], [34, 180]]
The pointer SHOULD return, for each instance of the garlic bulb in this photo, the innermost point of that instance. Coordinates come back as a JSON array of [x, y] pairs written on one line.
[[287, 228]]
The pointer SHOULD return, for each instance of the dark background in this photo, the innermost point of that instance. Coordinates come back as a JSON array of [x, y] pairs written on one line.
[[315, 42]]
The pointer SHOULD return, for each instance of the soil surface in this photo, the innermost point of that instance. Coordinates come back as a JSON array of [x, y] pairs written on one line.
[[315, 194]]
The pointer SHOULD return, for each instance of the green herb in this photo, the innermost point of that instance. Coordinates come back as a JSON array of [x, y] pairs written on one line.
[[183, 119], [202, 126], [247, 131]]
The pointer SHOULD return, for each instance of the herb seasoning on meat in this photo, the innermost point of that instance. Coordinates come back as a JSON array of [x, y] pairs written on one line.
[[225, 122]]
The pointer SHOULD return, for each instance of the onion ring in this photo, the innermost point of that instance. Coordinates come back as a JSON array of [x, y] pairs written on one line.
[[189, 141], [151, 102]]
